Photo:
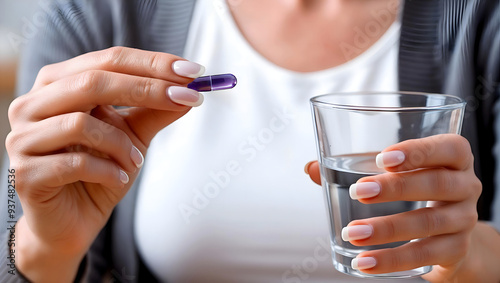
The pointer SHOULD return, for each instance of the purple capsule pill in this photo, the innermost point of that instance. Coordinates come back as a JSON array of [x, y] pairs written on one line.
[[215, 82]]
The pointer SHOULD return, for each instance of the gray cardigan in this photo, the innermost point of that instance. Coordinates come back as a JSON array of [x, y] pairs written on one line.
[[446, 46]]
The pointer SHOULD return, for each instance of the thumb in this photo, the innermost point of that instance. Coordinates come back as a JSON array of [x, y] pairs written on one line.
[[312, 169]]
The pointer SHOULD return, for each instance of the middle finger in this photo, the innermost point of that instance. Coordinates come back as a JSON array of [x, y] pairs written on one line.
[[63, 131]]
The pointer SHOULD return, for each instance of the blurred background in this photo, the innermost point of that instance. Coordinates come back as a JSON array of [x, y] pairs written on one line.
[[18, 21]]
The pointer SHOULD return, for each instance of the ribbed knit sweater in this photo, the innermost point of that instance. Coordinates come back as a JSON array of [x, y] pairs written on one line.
[[446, 46]]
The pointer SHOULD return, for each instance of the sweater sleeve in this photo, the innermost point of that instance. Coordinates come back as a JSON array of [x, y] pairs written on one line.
[[69, 28], [491, 84]]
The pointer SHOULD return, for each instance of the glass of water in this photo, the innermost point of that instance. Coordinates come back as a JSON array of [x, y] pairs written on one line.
[[351, 129]]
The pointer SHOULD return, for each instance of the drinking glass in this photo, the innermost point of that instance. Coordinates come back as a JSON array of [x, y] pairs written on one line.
[[351, 129]]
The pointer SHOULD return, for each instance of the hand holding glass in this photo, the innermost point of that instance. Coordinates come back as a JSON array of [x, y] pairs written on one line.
[[351, 129]]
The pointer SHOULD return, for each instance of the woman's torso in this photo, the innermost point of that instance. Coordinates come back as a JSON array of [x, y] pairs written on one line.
[[223, 196]]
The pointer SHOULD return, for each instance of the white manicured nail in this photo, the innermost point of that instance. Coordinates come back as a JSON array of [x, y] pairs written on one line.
[[363, 263], [364, 190], [185, 96], [356, 232], [188, 69], [137, 157], [124, 177], [390, 158]]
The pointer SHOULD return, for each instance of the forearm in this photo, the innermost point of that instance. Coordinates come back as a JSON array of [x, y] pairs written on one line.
[[39, 262]]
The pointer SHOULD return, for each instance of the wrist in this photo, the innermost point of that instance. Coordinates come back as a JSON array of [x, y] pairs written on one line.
[[41, 262]]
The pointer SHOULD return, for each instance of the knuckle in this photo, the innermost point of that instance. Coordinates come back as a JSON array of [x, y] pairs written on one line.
[[418, 155], [395, 184], [461, 147], [11, 140], [113, 57], [78, 162], [44, 74], [420, 254], [444, 181], [469, 218], [158, 62], [89, 81], [389, 228], [16, 143], [470, 185], [476, 188], [62, 166], [462, 246], [396, 261], [44, 70], [428, 146], [145, 88], [76, 123], [432, 220], [16, 108]]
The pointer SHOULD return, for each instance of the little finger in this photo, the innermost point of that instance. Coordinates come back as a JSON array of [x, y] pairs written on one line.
[[438, 250]]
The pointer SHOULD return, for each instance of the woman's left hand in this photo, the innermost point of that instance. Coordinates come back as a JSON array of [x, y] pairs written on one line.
[[438, 169]]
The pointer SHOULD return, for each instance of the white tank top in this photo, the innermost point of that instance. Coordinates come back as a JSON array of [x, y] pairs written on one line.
[[224, 197]]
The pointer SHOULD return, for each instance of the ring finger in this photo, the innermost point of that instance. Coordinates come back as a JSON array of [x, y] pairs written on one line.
[[436, 184], [72, 129], [415, 224]]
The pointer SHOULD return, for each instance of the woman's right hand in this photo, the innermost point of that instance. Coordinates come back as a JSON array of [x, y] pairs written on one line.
[[75, 156]]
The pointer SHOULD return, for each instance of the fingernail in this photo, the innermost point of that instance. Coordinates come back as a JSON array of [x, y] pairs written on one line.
[[363, 263], [364, 190], [137, 157], [185, 96], [188, 69], [124, 177], [306, 168], [390, 158], [356, 232]]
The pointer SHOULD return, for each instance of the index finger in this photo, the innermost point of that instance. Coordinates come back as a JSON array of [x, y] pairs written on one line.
[[447, 150], [120, 60], [83, 92]]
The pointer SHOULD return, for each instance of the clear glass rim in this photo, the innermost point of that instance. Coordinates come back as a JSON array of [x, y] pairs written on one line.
[[456, 102]]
